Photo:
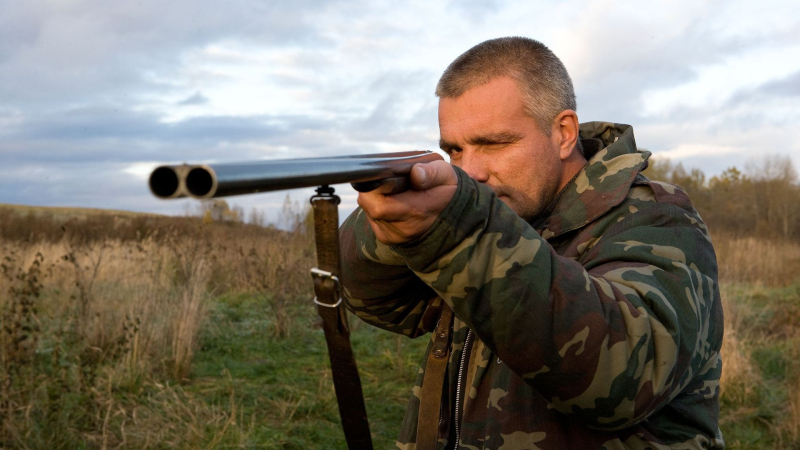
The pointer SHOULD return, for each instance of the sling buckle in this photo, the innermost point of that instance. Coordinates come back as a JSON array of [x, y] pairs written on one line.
[[317, 273]]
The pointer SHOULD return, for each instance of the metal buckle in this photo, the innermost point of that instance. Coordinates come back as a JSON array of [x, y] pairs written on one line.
[[324, 274]]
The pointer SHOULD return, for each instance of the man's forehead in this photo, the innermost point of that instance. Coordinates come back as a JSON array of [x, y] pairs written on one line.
[[485, 103], [488, 117]]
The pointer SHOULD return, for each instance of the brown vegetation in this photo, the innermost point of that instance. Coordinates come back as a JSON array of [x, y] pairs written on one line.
[[96, 304], [101, 315], [763, 262], [762, 202], [760, 385]]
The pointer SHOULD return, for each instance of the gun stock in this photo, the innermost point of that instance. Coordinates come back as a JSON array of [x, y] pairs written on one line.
[[364, 172]]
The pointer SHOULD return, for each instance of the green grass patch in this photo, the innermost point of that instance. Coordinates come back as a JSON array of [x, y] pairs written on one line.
[[283, 388], [765, 320]]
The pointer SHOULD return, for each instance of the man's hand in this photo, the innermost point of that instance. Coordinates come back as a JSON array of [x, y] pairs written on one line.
[[400, 218]]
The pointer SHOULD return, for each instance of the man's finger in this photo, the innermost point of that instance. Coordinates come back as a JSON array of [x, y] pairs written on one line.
[[427, 175], [381, 207], [393, 185]]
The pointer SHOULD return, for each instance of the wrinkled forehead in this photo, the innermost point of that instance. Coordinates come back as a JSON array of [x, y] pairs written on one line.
[[492, 108]]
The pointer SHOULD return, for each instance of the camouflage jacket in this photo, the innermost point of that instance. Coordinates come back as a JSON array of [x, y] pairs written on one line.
[[597, 326]]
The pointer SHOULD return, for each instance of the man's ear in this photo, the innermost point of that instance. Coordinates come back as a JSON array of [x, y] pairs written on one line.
[[565, 133]]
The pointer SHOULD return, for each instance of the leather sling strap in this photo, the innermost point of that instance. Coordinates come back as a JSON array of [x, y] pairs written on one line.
[[346, 381], [430, 400]]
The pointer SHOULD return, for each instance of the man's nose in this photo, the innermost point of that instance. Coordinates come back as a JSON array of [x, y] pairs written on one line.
[[475, 164]]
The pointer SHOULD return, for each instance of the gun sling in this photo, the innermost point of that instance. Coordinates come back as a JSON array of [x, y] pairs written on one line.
[[430, 398], [346, 381]]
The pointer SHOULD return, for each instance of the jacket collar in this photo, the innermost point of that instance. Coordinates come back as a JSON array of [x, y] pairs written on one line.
[[603, 183]]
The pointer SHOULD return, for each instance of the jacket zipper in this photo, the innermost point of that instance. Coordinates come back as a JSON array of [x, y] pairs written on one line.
[[464, 357]]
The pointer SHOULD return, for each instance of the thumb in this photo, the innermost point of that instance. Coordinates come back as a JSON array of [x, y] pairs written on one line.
[[428, 175]]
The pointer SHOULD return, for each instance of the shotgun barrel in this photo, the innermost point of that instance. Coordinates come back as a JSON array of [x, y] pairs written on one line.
[[364, 172]]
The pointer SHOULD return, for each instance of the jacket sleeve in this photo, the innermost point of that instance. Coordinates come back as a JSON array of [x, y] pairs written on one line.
[[608, 340], [379, 287]]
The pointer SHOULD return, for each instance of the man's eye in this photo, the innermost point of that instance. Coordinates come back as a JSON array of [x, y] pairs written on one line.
[[498, 144]]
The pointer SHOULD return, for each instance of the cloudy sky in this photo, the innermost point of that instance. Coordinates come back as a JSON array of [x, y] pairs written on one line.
[[93, 94]]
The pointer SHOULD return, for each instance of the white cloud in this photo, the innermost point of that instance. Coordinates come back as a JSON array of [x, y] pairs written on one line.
[[693, 150], [124, 84], [141, 170], [717, 83]]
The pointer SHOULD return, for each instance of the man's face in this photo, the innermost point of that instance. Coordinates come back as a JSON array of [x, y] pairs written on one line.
[[487, 133]]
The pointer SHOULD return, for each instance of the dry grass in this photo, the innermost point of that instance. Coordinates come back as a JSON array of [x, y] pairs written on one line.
[[185, 325], [740, 376], [169, 417], [757, 261], [99, 333], [102, 322], [760, 385]]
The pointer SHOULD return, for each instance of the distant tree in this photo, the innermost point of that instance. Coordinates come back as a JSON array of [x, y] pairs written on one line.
[[773, 167], [764, 199], [730, 176], [732, 203], [236, 214], [257, 217], [294, 216], [777, 194], [218, 210]]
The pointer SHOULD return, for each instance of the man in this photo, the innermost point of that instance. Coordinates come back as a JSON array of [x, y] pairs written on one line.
[[585, 296]]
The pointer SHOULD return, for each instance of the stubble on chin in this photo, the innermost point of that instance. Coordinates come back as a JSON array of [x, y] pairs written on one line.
[[523, 204]]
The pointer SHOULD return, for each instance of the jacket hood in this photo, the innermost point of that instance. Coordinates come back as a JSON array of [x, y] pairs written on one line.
[[613, 162]]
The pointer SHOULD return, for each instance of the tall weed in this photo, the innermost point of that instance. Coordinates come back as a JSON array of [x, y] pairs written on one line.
[[101, 316]]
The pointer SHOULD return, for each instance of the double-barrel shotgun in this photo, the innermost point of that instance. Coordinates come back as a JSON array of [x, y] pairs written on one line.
[[365, 173]]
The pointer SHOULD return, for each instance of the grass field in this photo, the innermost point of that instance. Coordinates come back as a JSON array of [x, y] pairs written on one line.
[[207, 338]]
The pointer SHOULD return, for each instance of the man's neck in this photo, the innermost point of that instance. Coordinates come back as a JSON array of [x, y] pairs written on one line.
[[570, 167]]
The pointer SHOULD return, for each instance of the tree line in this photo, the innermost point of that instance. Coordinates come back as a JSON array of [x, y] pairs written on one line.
[[762, 200]]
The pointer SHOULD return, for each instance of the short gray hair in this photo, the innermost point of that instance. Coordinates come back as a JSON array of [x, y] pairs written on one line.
[[543, 80]]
